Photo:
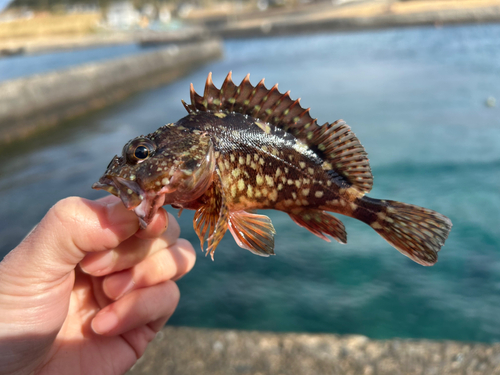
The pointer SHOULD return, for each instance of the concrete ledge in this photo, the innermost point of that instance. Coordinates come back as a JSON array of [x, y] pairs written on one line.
[[33, 103], [319, 23], [38, 45], [35, 45], [187, 351]]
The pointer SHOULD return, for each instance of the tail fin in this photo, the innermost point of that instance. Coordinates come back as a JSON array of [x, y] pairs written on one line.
[[417, 232]]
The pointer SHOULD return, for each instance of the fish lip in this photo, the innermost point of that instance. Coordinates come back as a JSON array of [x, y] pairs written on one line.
[[130, 192], [144, 204], [106, 184]]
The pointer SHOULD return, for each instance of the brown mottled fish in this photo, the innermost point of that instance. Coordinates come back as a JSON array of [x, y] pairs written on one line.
[[243, 148]]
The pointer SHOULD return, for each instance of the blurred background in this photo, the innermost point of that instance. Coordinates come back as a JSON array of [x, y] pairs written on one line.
[[418, 82]]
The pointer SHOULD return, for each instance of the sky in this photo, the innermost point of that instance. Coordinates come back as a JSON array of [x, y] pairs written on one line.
[[4, 3]]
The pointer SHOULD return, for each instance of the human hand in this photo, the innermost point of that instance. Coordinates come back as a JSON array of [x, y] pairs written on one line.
[[86, 290]]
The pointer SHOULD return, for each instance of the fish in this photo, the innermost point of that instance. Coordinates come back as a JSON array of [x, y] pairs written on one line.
[[243, 148]]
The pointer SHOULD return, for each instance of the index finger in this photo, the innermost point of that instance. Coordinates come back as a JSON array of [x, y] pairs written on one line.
[[108, 199], [71, 229], [155, 228]]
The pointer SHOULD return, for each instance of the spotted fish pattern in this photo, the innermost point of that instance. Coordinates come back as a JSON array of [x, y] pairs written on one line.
[[242, 148]]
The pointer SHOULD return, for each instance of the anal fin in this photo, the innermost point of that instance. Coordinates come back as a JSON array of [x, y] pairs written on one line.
[[321, 224], [252, 232]]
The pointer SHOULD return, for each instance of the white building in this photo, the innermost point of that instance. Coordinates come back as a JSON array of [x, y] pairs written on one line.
[[122, 15]]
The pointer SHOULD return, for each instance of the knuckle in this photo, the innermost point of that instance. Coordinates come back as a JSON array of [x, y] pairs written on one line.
[[80, 219], [173, 226], [186, 246], [189, 251], [163, 268], [67, 215], [165, 306], [66, 210], [184, 257], [174, 293]]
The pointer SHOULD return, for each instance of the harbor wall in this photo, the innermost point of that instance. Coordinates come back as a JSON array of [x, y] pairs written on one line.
[[317, 22], [186, 351], [30, 104]]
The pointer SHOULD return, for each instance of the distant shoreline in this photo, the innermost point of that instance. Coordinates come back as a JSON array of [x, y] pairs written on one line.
[[310, 19], [349, 21]]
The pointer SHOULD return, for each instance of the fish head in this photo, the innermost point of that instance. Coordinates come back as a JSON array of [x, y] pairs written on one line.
[[171, 166]]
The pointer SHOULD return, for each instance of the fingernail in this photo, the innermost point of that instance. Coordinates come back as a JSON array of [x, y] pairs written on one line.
[[97, 263], [117, 285], [104, 322]]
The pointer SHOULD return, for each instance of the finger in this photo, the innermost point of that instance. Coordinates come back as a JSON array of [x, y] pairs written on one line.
[[71, 229], [129, 253], [157, 226], [171, 263], [108, 199], [137, 309], [139, 338], [101, 298], [158, 324]]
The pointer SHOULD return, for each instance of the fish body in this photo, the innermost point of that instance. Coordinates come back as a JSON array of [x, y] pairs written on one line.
[[243, 148]]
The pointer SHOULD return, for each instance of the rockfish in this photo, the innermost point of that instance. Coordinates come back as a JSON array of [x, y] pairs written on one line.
[[243, 148]]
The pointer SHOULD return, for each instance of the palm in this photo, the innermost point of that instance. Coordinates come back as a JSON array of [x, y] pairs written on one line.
[[78, 350]]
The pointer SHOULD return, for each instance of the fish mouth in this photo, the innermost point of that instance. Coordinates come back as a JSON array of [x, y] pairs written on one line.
[[134, 197]]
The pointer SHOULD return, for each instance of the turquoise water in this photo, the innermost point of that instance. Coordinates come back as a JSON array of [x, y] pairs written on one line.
[[416, 100], [20, 66]]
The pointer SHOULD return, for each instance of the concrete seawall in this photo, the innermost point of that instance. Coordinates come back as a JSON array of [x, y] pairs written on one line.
[[319, 22], [33, 103], [187, 351]]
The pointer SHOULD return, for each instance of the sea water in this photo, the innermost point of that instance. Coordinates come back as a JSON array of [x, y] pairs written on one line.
[[416, 98]]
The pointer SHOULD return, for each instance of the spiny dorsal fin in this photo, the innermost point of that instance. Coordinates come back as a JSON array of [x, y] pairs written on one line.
[[335, 143]]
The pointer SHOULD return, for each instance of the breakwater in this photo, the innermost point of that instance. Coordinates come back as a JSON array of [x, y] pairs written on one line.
[[178, 350], [41, 101], [334, 20]]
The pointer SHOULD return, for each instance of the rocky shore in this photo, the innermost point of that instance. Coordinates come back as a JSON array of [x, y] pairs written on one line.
[[187, 351]]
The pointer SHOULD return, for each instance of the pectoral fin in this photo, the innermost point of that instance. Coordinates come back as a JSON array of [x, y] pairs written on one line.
[[211, 218], [205, 219], [219, 230], [321, 224], [252, 232]]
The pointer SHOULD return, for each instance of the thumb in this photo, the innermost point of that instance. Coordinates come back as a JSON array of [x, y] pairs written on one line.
[[72, 228]]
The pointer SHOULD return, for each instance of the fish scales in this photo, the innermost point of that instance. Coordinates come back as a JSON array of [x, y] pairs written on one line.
[[263, 170], [243, 148]]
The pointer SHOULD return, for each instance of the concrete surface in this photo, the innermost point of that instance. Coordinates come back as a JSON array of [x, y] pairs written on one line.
[[36, 45], [334, 20], [36, 102], [39, 45], [188, 351]]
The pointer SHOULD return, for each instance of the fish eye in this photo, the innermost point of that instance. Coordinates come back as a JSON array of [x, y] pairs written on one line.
[[141, 152], [138, 150]]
